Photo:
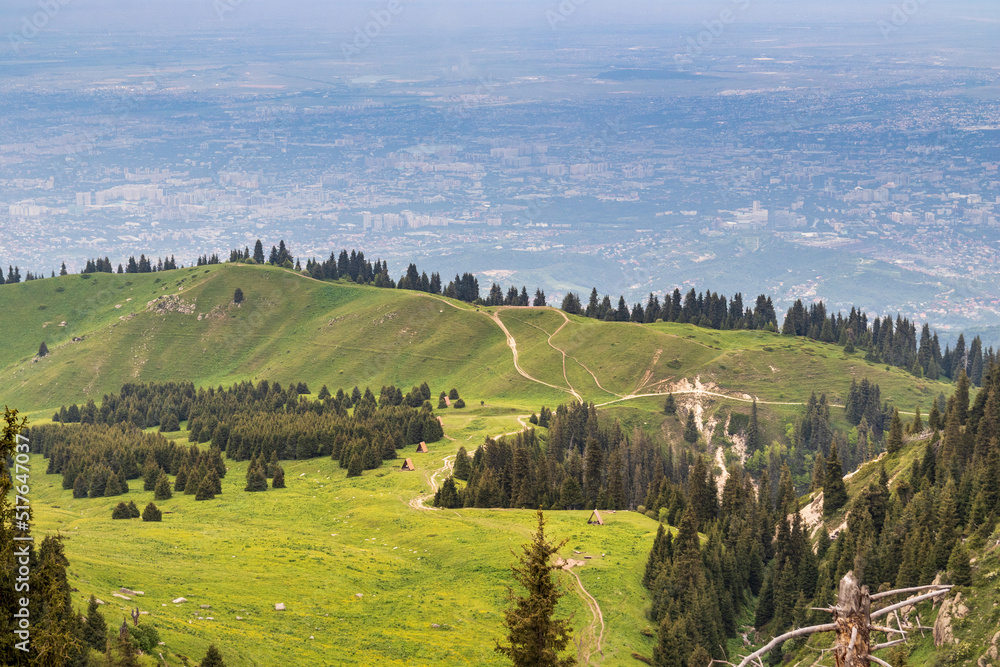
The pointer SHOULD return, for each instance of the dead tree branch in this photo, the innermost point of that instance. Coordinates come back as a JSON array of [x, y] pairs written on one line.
[[826, 627]]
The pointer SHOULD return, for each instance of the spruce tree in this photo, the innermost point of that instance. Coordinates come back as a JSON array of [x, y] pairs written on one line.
[[959, 566], [356, 466], [534, 637], [834, 489], [162, 489], [279, 478], [754, 440], [43, 349], [894, 441], [256, 481], [212, 658], [238, 296], [463, 466], [670, 405], [152, 513], [121, 511], [181, 480], [80, 487], [95, 630], [691, 429], [193, 482], [206, 489], [133, 511]]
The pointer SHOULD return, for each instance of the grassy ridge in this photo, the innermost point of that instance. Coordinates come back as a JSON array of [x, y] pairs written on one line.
[[294, 328]]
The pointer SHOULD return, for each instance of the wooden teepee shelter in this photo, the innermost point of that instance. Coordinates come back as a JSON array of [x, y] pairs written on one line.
[[852, 621], [407, 465], [595, 519], [422, 447]]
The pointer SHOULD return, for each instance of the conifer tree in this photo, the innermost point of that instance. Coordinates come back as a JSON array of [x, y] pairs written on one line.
[[206, 489], [80, 487], [691, 429], [754, 440], [95, 629], [256, 481], [959, 566], [133, 511], [356, 466], [463, 466], [152, 513], [278, 482], [571, 497], [894, 441], [162, 489], [670, 405], [212, 658], [193, 482], [121, 512], [534, 637], [43, 349], [834, 489], [180, 481]]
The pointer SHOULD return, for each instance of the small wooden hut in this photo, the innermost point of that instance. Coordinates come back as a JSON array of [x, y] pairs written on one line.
[[422, 447], [595, 519], [407, 465]]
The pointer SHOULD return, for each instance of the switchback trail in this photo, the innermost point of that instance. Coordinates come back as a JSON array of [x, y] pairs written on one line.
[[563, 352], [512, 344]]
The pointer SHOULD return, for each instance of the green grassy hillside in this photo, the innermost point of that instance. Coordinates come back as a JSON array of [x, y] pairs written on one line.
[[317, 544], [182, 325], [431, 582]]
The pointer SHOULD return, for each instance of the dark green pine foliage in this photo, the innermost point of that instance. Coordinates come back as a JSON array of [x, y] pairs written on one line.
[[535, 637], [691, 429], [206, 489], [95, 629], [80, 487], [834, 489], [278, 482], [356, 466], [180, 481], [670, 405], [162, 490], [212, 658], [121, 511], [152, 513], [133, 511], [463, 466], [894, 441], [256, 481], [447, 496], [754, 440]]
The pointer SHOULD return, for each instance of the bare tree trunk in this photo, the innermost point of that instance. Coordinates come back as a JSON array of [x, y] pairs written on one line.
[[852, 616]]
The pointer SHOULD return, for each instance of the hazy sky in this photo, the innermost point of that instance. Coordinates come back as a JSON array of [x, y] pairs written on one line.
[[423, 15]]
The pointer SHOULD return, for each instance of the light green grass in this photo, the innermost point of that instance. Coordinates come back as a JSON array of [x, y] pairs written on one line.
[[314, 546], [293, 328]]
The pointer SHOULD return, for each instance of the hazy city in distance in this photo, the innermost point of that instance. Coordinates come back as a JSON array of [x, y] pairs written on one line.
[[850, 155]]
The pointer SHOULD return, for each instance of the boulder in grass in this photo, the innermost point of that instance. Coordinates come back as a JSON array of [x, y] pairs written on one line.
[[179, 600], [280, 606]]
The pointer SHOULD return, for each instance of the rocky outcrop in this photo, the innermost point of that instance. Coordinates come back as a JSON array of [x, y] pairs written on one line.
[[992, 656], [951, 610]]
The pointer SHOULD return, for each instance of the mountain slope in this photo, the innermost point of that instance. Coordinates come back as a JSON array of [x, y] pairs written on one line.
[[182, 325]]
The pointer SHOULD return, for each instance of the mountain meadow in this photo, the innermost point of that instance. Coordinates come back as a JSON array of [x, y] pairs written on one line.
[[738, 474]]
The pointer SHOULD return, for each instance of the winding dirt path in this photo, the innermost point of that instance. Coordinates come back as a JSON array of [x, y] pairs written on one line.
[[595, 611], [512, 344]]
